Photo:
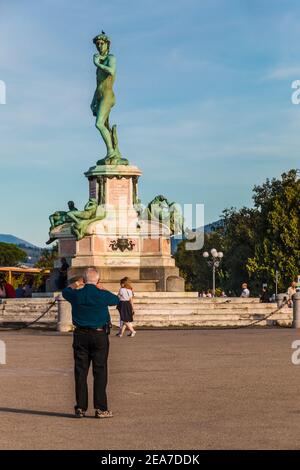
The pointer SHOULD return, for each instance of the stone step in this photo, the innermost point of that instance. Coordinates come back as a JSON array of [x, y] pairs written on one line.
[[194, 295], [139, 286], [188, 310], [35, 313], [172, 299], [213, 324], [164, 300], [194, 303], [181, 317], [186, 321], [167, 295], [26, 319]]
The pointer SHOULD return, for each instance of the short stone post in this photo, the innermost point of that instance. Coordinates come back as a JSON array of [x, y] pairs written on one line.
[[280, 299], [175, 284], [64, 320], [296, 310]]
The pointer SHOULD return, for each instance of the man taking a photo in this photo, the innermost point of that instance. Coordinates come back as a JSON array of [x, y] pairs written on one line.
[[90, 316]]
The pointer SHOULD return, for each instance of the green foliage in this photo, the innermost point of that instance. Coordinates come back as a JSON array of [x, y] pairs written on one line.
[[278, 230], [218, 292], [255, 241], [11, 255], [239, 238], [19, 281], [46, 263], [194, 268], [47, 258]]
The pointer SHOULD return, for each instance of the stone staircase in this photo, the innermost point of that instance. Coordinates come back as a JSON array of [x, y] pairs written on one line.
[[161, 309], [185, 309], [27, 310]]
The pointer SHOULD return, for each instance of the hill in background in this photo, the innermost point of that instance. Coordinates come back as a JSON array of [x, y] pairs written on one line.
[[33, 252], [209, 228]]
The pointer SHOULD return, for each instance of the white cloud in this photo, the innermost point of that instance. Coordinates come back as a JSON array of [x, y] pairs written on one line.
[[283, 73]]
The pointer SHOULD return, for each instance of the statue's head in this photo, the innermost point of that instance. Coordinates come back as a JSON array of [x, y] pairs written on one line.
[[71, 205], [102, 42], [160, 201], [93, 202]]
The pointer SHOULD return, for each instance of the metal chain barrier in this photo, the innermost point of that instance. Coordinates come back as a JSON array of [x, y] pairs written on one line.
[[16, 328], [260, 320]]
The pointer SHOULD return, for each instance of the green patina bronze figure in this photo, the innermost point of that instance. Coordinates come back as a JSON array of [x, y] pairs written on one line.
[[104, 100], [82, 219], [61, 217], [78, 221], [168, 213]]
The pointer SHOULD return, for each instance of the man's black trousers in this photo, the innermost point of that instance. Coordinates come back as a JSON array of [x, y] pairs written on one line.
[[90, 346]]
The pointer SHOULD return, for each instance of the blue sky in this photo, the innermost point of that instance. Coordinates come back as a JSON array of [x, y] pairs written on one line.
[[203, 100]]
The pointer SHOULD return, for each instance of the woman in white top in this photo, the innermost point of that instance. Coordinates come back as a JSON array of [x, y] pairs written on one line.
[[126, 308]]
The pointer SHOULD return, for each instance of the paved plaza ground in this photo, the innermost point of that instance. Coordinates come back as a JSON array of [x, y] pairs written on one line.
[[202, 389]]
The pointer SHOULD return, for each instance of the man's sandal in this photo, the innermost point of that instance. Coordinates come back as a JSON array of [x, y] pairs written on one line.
[[103, 414], [79, 413]]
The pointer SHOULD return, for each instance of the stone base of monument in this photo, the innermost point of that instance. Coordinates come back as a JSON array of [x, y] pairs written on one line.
[[121, 244]]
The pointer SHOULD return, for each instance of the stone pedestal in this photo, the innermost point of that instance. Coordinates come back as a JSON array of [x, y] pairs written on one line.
[[121, 244], [64, 317], [296, 310]]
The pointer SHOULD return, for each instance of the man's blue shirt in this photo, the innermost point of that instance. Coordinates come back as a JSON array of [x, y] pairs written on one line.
[[90, 305]]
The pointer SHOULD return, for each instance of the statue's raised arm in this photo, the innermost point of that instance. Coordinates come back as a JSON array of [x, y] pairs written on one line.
[[110, 68]]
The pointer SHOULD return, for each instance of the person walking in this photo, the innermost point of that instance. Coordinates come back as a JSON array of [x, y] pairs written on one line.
[[123, 281], [126, 307], [91, 319]]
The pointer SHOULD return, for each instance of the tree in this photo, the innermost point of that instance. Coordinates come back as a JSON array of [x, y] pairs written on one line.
[[11, 255], [239, 238], [45, 263], [235, 236], [278, 230], [194, 268], [256, 241], [47, 258]]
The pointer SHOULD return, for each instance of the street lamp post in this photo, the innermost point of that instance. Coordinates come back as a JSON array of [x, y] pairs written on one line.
[[214, 263], [276, 281]]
